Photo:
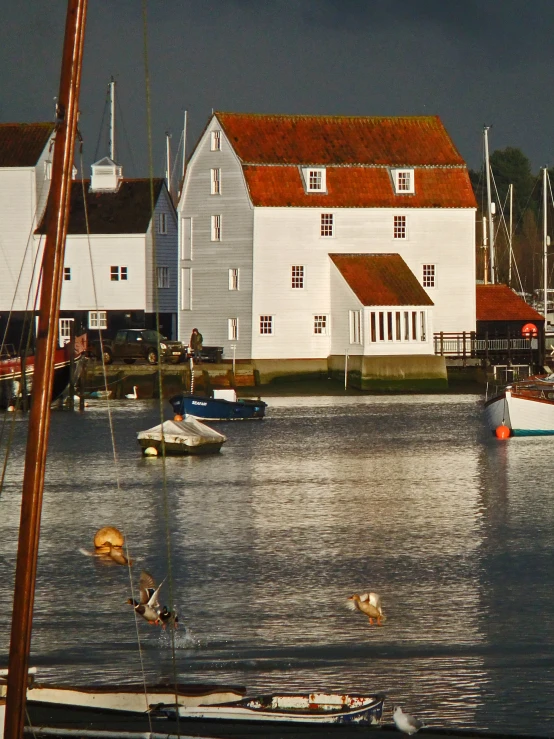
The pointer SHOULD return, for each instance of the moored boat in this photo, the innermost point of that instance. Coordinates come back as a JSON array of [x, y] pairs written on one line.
[[188, 436], [13, 368], [526, 408], [303, 708], [222, 406]]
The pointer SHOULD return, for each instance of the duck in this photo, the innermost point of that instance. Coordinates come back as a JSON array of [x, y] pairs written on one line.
[[166, 616], [134, 394], [116, 553], [148, 606], [406, 723], [368, 603]]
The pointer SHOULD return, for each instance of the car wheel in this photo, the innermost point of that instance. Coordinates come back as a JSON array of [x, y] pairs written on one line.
[[107, 357], [152, 356], [128, 360]]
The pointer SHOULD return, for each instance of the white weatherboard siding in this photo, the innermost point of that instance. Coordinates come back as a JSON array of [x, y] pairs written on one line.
[[291, 236], [107, 251], [212, 301]]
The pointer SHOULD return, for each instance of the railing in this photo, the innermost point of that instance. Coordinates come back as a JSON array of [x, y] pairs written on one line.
[[466, 344]]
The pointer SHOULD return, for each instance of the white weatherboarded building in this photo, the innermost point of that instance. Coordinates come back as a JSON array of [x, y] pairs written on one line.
[[268, 204], [25, 171], [121, 255]]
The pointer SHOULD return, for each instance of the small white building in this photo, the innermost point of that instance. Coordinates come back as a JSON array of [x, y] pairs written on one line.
[[121, 254], [269, 204], [25, 171]]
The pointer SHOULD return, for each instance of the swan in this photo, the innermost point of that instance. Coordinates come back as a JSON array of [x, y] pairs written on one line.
[[406, 723], [134, 394], [368, 603]]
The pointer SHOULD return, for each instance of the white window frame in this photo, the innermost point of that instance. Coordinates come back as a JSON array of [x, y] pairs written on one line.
[[404, 181], [234, 278], [118, 273], [266, 325], [327, 225], [186, 238], [163, 277], [64, 330], [400, 227], [233, 329], [297, 277], [215, 144], [67, 274], [315, 179], [123, 273], [321, 324], [429, 275], [215, 181], [162, 223], [186, 288], [355, 322], [216, 227], [98, 319]]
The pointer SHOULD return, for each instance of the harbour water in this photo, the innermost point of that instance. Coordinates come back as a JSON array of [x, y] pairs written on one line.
[[406, 495]]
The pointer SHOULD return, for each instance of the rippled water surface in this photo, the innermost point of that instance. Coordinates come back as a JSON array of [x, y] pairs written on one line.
[[407, 496]]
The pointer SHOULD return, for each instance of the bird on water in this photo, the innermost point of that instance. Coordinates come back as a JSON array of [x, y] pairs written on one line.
[[148, 605], [406, 723], [368, 603]]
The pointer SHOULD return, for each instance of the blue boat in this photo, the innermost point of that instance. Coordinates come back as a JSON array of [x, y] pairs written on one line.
[[223, 406]]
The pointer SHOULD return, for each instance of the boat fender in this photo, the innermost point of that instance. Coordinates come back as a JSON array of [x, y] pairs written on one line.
[[151, 451], [502, 432], [177, 417]]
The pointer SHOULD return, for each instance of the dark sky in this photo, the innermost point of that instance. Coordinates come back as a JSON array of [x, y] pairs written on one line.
[[469, 61]]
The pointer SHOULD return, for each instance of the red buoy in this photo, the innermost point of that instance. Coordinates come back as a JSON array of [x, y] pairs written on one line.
[[177, 417], [502, 432]]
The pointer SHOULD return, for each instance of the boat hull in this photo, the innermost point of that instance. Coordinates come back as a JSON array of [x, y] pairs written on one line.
[[11, 372], [216, 409], [189, 436], [524, 416]]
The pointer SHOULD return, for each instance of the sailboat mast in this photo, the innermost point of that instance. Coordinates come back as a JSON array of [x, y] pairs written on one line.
[[511, 236], [112, 120], [39, 417], [545, 243], [168, 160], [489, 204]]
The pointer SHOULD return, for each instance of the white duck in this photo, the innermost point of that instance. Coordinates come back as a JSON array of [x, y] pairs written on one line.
[[134, 394], [406, 723], [368, 603]]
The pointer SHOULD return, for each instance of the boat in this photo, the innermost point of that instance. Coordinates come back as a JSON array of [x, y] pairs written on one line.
[[13, 367], [293, 708], [524, 408], [222, 406], [181, 436]]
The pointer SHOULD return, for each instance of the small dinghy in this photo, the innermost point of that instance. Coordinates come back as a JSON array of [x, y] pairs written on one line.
[[188, 436], [223, 406], [310, 708]]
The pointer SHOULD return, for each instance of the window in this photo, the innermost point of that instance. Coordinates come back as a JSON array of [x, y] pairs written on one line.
[[162, 223], [422, 326], [398, 327], [327, 224], [233, 279], [373, 327], [428, 275], [320, 325], [399, 227], [414, 326], [315, 180], [266, 325], [297, 277], [186, 238], [97, 319], [118, 273], [67, 273], [216, 228], [64, 332], [186, 288], [216, 182], [403, 181], [233, 327], [355, 327], [216, 140], [163, 277]]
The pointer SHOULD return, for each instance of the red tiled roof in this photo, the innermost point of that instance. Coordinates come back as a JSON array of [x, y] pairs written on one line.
[[328, 140], [500, 303], [359, 187], [128, 210], [381, 279], [21, 144]]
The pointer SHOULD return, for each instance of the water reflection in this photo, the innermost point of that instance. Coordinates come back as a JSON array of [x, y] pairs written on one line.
[[328, 496]]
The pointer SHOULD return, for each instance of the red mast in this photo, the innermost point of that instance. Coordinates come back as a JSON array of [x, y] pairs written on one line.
[[39, 417]]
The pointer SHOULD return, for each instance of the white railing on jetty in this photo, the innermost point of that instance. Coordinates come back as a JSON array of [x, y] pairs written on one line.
[[465, 344]]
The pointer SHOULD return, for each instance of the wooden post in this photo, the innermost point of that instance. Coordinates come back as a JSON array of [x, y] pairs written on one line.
[[442, 342], [72, 366]]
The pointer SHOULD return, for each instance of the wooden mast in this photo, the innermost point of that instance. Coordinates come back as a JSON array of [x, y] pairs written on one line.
[[39, 417]]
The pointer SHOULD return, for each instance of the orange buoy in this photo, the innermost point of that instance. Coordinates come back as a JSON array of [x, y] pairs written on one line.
[[177, 417], [502, 432]]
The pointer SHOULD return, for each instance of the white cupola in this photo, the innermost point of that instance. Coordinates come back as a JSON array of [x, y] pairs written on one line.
[[106, 176]]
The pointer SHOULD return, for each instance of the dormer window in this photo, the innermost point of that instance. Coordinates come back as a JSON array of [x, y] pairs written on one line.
[[403, 181], [315, 179]]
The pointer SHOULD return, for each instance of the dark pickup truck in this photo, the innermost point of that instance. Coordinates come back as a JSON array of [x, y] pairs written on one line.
[[131, 344]]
